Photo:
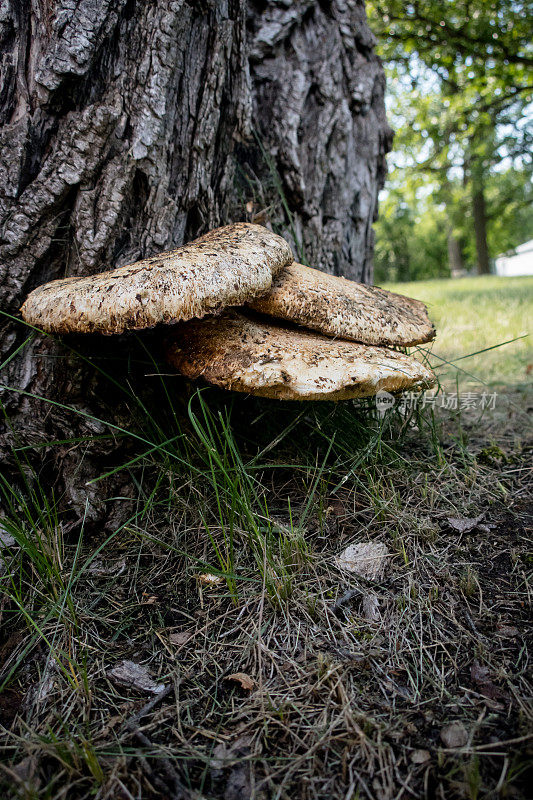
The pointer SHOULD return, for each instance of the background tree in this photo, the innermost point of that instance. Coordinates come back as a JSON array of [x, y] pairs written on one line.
[[461, 88], [128, 128]]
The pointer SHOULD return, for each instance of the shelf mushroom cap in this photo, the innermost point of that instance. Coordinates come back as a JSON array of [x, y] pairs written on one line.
[[226, 267], [260, 357], [338, 307]]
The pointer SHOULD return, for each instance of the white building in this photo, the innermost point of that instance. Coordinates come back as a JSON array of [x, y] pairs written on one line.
[[518, 262]]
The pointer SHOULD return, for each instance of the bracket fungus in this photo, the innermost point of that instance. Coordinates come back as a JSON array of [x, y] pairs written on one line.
[[257, 356], [226, 267], [338, 307], [292, 357]]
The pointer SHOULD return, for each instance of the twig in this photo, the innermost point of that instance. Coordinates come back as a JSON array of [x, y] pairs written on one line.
[[132, 722], [131, 725], [344, 600], [180, 792]]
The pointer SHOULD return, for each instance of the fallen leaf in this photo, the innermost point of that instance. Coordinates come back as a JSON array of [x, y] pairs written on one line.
[[507, 630], [420, 756], [397, 688], [246, 682], [370, 607], [40, 692], [454, 735], [239, 786], [100, 569], [6, 539], [128, 673], [336, 508], [208, 579], [180, 637], [26, 772], [478, 673], [464, 524], [481, 676], [366, 559], [229, 765]]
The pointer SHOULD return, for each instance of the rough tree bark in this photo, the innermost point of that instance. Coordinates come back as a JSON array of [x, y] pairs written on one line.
[[479, 214], [318, 108], [123, 126]]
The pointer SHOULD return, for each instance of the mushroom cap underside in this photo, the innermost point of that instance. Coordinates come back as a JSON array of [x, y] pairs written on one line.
[[249, 354]]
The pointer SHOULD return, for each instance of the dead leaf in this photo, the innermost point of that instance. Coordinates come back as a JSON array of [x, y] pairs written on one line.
[[229, 765], [246, 682], [180, 637], [370, 607], [454, 735], [481, 676], [239, 786], [420, 756], [478, 673], [7, 542], [336, 508], [208, 579], [128, 673], [465, 524], [507, 630], [25, 772], [100, 569], [366, 559], [6, 539]]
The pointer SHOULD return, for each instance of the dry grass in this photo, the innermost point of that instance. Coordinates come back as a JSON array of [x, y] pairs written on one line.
[[345, 703]]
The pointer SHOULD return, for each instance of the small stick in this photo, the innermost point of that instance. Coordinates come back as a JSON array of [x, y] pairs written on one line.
[[136, 718], [180, 792]]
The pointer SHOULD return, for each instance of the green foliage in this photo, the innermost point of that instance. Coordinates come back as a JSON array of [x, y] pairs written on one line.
[[460, 92], [413, 225], [509, 198], [469, 65], [411, 241]]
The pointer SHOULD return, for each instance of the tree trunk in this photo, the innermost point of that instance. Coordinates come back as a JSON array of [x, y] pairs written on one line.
[[130, 127], [455, 258], [318, 108], [480, 227]]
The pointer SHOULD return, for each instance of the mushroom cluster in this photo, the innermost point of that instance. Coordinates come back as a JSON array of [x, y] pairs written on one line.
[[297, 333]]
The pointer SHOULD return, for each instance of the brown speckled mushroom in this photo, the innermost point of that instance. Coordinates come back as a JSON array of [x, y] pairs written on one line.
[[339, 307], [249, 354], [226, 267]]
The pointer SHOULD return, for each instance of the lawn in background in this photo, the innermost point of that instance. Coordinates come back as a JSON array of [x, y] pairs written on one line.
[[471, 314]]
